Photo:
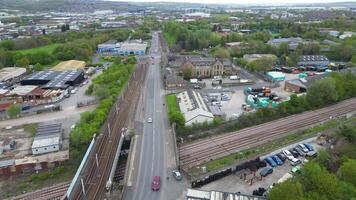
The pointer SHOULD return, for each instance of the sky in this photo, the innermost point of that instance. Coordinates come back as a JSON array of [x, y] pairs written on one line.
[[242, 1]]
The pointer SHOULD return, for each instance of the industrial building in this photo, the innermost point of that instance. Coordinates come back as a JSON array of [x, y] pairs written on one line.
[[69, 65], [11, 73], [193, 107], [193, 194], [276, 76], [133, 47], [54, 79], [48, 139], [313, 60]]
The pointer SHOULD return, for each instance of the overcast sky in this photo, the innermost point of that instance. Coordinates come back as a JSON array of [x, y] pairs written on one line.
[[242, 1]]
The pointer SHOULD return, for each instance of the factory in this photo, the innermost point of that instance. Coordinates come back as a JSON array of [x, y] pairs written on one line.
[[48, 139], [132, 47], [54, 79]]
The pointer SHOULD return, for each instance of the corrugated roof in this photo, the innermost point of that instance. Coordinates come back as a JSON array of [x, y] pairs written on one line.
[[47, 135]]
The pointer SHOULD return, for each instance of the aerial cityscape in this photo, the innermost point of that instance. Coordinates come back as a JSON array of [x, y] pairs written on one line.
[[177, 100]]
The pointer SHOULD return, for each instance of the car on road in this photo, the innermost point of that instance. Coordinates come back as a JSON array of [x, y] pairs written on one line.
[[277, 160], [156, 183], [303, 148], [309, 147], [177, 175], [149, 120], [295, 162], [281, 156], [288, 154], [271, 162], [265, 171]]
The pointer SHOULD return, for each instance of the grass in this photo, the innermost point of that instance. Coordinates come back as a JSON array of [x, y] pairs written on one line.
[[267, 147], [30, 128], [171, 40], [172, 103], [35, 181], [47, 48]]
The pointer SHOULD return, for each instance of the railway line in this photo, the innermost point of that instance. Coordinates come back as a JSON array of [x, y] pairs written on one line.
[[50, 193], [95, 178], [216, 147]]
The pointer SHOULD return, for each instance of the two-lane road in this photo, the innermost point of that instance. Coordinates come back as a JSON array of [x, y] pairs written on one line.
[[151, 142]]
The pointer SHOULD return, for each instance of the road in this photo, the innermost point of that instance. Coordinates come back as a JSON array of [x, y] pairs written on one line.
[[154, 150]]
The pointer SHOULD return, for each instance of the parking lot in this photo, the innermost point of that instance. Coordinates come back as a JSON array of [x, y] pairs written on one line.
[[238, 183]]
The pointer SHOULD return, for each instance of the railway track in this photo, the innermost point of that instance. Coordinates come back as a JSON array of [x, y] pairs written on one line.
[[107, 142], [219, 146], [50, 193]]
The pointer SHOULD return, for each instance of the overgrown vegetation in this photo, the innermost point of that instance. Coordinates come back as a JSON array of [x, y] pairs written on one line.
[[174, 114], [106, 87], [331, 176]]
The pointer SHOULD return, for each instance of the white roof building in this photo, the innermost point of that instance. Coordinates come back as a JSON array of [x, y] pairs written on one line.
[[8, 73], [198, 116], [48, 139]]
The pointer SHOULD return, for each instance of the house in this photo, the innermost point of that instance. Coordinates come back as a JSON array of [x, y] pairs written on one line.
[[173, 81], [48, 139], [313, 60], [207, 66]]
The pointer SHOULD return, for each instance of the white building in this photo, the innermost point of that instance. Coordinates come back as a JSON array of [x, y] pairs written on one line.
[[48, 139], [193, 107]]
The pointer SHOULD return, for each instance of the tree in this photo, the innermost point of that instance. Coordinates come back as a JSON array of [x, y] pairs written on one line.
[[322, 92], [22, 62], [221, 53], [7, 44], [349, 132], [100, 92], [347, 171], [187, 72], [13, 110], [323, 157], [177, 117], [289, 190], [262, 64], [38, 67], [283, 49]]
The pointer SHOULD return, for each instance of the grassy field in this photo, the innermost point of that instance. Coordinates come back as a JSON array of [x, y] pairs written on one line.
[[47, 48], [30, 128], [268, 147], [172, 103], [171, 40]]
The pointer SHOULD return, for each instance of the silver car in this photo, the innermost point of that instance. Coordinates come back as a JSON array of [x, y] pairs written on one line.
[[177, 175]]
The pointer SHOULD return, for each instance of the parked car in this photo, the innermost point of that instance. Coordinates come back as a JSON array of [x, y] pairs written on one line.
[[312, 154], [309, 147], [303, 148], [288, 154], [156, 183], [295, 169], [282, 156], [295, 162], [177, 175], [265, 171], [270, 161], [73, 91], [300, 151], [294, 153], [277, 160]]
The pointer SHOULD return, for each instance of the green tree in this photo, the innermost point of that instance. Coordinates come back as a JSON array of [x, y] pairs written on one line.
[[38, 67], [13, 110], [22, 62], [283, 49], [177, 117], [187, 72], [349, 132], [322, 92], [323, 157], [222, 53], [347, 171], [289, 190]]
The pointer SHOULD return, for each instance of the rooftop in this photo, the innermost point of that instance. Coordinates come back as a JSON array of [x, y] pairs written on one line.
[[47, 135], [69, 65], [8, 73], [22, 90]]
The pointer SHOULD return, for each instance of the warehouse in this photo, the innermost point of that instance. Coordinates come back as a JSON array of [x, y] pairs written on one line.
[[11, 73], [54, 79], [133, 48], [48, 138], [69, 65], [314, 60], [276, 76]]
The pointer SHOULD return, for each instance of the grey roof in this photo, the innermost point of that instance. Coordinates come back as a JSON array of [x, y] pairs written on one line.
[[286, 40], [7, 162], [313, 58], [56, 79], [216, 111]]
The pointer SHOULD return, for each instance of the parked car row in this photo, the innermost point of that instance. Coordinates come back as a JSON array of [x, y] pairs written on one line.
[[291, 154]]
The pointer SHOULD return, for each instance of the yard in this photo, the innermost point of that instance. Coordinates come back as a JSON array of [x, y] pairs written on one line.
[[172, 103]]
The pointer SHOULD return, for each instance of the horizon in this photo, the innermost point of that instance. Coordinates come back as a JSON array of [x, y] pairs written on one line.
[[232, 2]]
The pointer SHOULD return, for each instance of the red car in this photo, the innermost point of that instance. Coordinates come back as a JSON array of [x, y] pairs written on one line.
[[156, 183]]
